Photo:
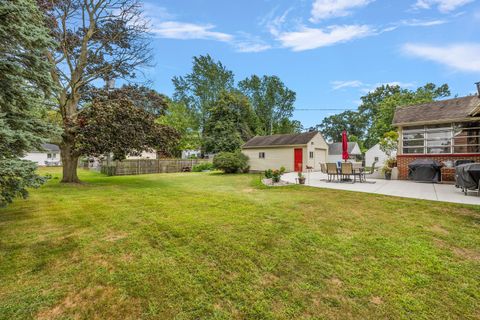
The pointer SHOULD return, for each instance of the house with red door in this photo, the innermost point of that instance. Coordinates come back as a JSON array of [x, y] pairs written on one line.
[[295, 152], [444, 131]]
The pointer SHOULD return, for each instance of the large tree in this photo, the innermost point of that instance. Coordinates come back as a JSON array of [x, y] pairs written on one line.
[[120, 127], [96, 40], [272, 101], [201, 88], [378, 107], [232, 121], [180, 117], [24, 83], [333, 126]]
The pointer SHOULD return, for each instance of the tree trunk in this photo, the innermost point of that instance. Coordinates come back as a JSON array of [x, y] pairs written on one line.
[[69, 162]]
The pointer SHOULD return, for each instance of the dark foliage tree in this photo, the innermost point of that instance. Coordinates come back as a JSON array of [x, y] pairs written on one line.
[[119, 127], [142, 97], [272, 101], [231, 123], [96, 40], [24, 83]]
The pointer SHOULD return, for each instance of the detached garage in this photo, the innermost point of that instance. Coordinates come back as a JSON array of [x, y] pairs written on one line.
[[293, 151]]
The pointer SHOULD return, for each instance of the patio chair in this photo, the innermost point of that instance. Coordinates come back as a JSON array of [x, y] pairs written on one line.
[[368, 172], [323, 168], [346, 170], [332, 171]]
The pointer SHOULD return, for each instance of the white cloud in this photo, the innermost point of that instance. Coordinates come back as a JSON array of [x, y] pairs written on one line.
[[186, 30], [461, 57], [423, 23], [404, 85], [444, 6], [312, 38], [324, 9], [336, 85], [250, 43]]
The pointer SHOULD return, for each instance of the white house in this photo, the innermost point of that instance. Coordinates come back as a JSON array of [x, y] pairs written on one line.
[[374, 154], [144, 155], [293, 151], [187, 154], [335, 151], [49, 155]]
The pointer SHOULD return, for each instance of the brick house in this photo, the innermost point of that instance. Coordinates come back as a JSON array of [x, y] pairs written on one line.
[[445, 131]]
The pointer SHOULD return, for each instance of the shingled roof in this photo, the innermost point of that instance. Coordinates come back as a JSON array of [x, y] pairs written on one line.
[[280, 140], [457, 109], [336, 148]]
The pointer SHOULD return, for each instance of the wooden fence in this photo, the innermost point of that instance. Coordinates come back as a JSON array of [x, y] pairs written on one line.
[[146, 166]]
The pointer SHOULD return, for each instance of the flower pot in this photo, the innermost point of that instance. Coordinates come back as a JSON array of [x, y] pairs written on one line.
[[388, 176], [301, 180]]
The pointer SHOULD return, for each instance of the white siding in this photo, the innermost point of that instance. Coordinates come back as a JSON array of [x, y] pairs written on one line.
[[375, 152], [144, 155], [334, 158], [319, 147], [276, 157], [40, 157]]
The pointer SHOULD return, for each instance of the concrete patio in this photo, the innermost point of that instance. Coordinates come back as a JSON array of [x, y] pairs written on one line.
[[399, 188]]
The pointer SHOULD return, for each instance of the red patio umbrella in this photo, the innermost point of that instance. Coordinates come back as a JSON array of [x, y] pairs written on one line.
[[345, 154]]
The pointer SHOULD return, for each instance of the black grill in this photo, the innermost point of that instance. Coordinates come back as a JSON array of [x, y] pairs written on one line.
[[425, 170]]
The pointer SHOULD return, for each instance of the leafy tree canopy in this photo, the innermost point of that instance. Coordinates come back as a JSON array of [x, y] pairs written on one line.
[[95, 40], [374, 116], [333, 126], [272, 101], [199, 89], [231, 123], [119, 127], [182, 119]]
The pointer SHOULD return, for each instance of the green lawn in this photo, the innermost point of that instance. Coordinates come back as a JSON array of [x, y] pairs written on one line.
[[211, 246]]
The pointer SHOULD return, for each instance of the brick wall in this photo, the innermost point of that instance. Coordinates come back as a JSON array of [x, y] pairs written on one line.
[[404, 159]]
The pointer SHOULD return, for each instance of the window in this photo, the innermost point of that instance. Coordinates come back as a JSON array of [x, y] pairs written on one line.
[[261, 155], [375, 159], [441, 139], [311, 154]]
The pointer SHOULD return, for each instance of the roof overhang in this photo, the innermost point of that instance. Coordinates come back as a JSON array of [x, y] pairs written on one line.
[[275, 146], [419, 123]]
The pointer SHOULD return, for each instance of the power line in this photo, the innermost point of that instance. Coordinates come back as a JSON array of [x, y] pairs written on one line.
[[326, 109]]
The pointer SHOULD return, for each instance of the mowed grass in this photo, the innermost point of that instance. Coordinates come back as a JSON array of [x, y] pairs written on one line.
[[212, 246]]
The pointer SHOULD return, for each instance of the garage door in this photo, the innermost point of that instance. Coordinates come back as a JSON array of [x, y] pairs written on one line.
[[320, 156]]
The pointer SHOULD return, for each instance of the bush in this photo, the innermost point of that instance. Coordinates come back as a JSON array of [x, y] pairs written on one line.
[[202, 167], [274, 174], [231, 162], [269, 174]]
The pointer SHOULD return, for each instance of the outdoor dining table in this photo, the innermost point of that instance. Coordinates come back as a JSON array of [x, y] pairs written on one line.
[[357, 171]]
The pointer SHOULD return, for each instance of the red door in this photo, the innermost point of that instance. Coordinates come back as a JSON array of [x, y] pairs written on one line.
[[298, 160]]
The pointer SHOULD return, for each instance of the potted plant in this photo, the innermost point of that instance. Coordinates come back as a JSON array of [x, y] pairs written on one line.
[[387, 171], [301, 178]]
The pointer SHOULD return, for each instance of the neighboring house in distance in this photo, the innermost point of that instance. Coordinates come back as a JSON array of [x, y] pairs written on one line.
[[375, 154], [50, 155], [187, 154], [144, 155], [444, 131], [293, 151], [335, 151]]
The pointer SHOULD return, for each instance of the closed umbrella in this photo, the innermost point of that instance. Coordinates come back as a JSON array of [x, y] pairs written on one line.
[[345, 155]]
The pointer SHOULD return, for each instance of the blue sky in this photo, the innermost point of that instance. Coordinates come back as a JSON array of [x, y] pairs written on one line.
[[331, 52]]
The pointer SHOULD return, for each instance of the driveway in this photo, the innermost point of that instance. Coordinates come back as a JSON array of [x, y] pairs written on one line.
[[399, 188]]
